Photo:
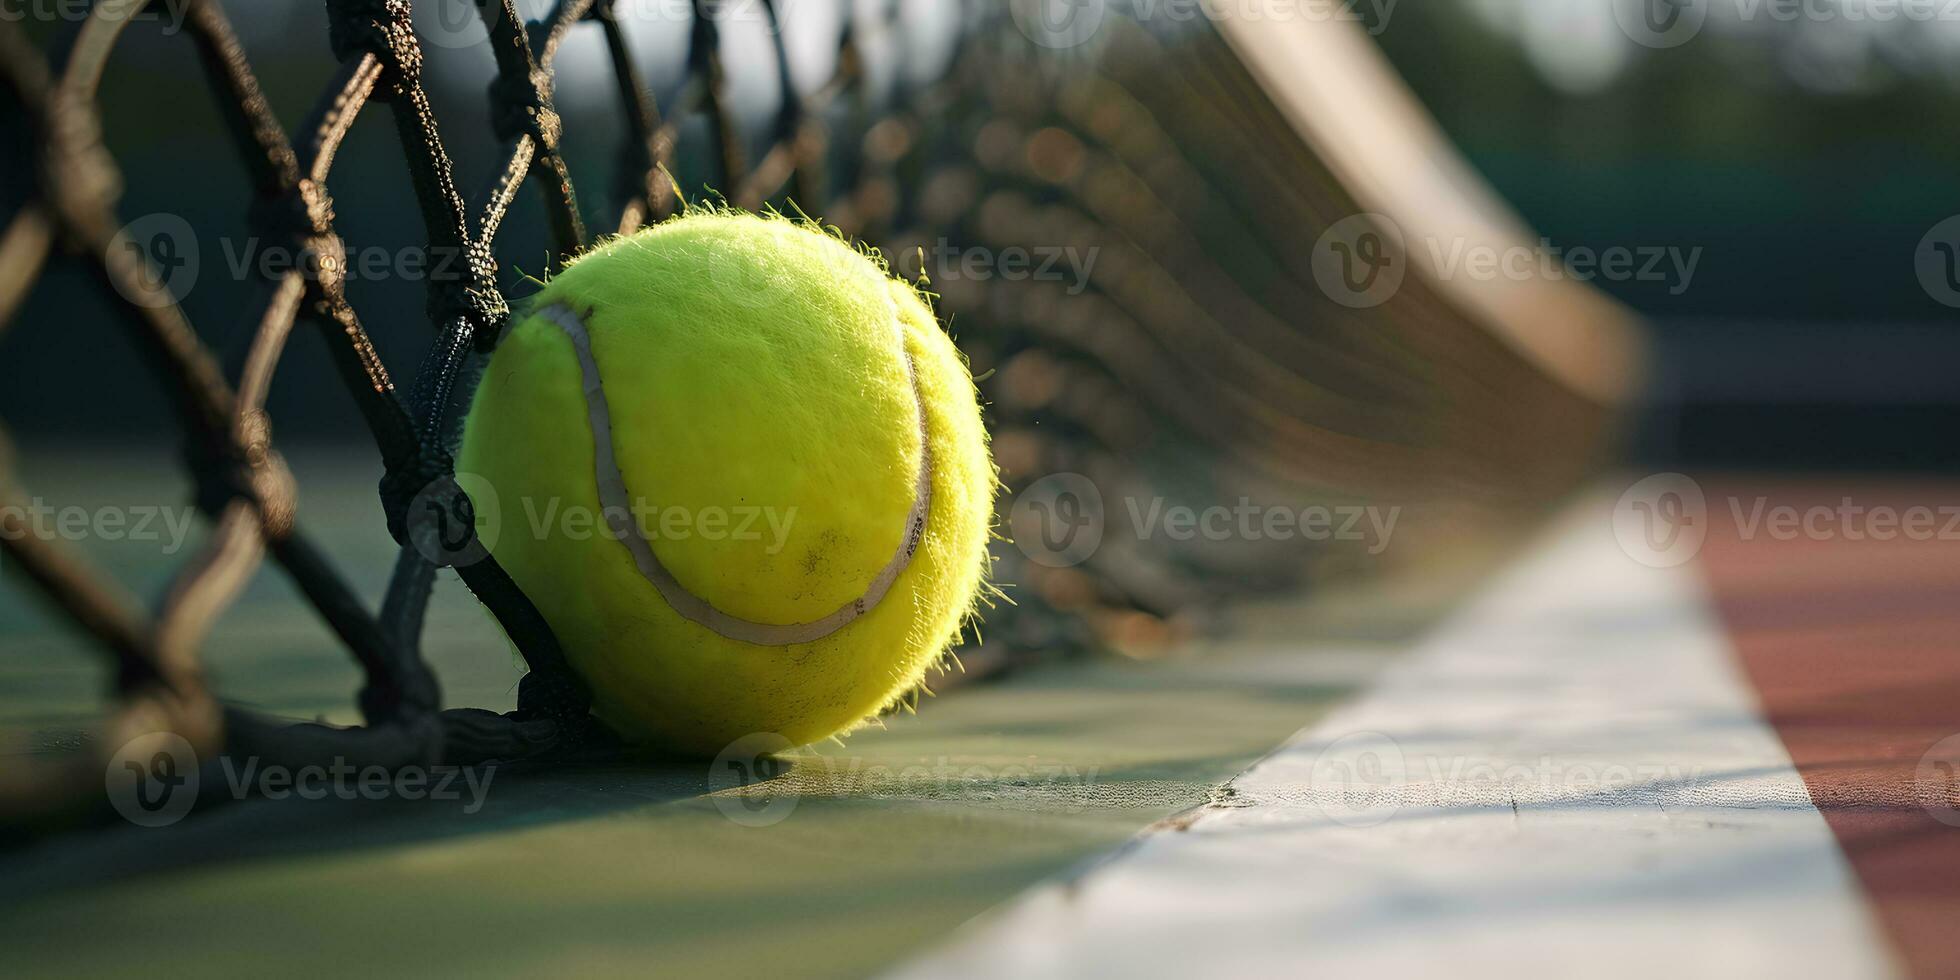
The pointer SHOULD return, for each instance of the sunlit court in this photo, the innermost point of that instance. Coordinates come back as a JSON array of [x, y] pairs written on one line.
[[979, 488]]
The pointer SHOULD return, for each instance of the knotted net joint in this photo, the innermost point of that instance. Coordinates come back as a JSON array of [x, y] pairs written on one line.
[[402, 485], [302, 219], [521, 106], [382, 28], [471, 294], [82, 181]]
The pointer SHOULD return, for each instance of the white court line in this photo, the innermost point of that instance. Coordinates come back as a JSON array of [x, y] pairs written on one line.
[[1569, 778]]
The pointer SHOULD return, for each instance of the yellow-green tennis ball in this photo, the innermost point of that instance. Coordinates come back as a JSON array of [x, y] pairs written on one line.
[[742, 474]]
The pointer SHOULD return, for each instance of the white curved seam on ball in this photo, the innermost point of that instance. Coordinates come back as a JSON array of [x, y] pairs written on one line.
[[615, 500]]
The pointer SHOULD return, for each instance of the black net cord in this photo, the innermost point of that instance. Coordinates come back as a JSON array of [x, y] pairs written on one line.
[[1274, 385], [242, 484]]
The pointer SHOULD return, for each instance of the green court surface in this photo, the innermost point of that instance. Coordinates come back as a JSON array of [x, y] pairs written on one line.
[[879, 848]]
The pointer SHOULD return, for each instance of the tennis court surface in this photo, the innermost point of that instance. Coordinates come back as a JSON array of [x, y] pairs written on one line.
[[1565, 761], [978, 488]]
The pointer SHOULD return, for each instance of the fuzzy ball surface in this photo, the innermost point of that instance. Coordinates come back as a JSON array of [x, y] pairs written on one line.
[[742, 473]]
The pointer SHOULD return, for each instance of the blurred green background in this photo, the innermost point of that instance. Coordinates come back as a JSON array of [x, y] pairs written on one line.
[[1801, 148], [1805, 158]]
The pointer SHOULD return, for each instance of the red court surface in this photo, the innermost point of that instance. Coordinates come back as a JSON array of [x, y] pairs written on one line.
[[1853, 646]]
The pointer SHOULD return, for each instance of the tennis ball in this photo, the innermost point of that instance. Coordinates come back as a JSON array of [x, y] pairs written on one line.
[[742, 474]]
